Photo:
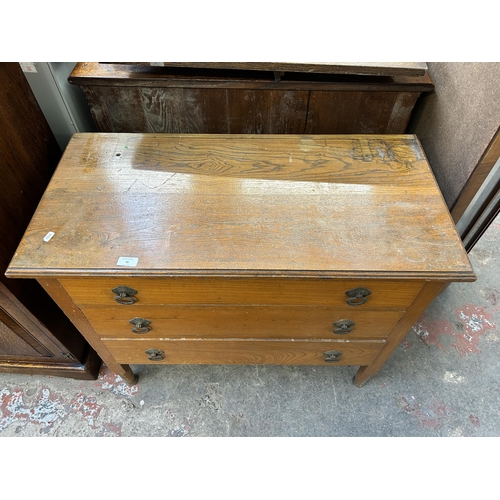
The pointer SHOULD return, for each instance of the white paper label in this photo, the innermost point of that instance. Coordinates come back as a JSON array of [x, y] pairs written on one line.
[[127, 261], [48, 236], [156, 64], [28, 67]]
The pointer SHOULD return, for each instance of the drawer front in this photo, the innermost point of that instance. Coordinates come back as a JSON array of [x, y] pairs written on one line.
[[285, 322], [238, 291], [278, 352]]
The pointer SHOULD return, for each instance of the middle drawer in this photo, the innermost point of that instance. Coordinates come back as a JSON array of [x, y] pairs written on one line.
[[280, 322]]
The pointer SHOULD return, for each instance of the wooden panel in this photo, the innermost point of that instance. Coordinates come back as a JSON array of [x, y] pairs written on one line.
[[240, 322], [98, 108], [240, 111], [26, 326], [100, 75], [216, 111], [28, 156], [12, 342], [244, 351], [213, 111], [349, 112], [251, 204], [251, 291], [348, 68], [266, 112], [111, 109], [188, 111], [142, 98], [49, 355], [88, 369], [401, 112]]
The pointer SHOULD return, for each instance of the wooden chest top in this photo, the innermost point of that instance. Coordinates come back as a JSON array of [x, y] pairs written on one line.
[[243, 205]]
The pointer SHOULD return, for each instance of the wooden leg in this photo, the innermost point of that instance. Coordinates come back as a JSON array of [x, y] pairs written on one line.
[[426, 295], [361, 377], [128, 375], [64, 301]]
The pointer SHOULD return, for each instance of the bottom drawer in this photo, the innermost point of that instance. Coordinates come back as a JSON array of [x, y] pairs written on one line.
[[244, 352]]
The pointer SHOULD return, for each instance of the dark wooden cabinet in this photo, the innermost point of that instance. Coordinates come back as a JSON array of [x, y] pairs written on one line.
[[35, 336], [252, 98]]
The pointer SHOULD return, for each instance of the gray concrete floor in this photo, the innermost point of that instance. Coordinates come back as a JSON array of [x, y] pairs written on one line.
[[443, 380]]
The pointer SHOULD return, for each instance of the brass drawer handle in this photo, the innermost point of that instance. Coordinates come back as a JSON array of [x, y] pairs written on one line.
[[141, 325], [124, 295], [155, 354], [357, 296], [332, 356], [343, 326]]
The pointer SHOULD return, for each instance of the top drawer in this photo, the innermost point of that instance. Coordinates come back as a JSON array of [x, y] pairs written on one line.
[[242, 291]]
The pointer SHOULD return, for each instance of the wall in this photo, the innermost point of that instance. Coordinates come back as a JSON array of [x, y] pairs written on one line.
[[457, 121], [63, 105]]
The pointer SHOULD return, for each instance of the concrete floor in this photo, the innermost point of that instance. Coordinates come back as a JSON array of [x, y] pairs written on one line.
[[443, 380]]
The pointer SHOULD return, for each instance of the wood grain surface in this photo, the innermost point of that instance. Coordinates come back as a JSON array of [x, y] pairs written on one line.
[[347, 68], [248, 111], [14, 340], [331, 206], [240, 291], [20, 322], [241, 322], [148, 99], [124, 75], [333, 112], [283, 352]]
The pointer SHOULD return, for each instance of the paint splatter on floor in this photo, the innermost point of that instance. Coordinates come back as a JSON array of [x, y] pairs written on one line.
[[433, 416], [476, 322], [406, 344], [184, 429], [475, 420], [113, 383], [492, 295], [430, 331], [111, 428], [48, 408], [88, 407], [465, 332]]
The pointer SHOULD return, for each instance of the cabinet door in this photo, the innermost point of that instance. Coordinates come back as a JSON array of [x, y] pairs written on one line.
[[17, 341]]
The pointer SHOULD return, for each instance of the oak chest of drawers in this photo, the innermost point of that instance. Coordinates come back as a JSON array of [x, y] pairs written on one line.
[[245, 249]]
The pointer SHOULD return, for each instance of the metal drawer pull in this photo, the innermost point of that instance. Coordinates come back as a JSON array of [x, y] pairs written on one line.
[[332, 356], [343, 326], [357, 296], [155, 354], [124, 295], [141, 325]]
